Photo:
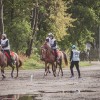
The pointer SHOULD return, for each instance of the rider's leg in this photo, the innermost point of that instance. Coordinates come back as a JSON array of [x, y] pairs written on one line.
[[11, 59], [71, 69], [56, 55], [77, 67]]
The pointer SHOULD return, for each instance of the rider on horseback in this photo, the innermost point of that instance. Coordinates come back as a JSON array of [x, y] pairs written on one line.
[[6, 46], [53, 44]]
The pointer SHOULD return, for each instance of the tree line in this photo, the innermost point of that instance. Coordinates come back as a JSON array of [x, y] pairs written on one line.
[[27, 22]]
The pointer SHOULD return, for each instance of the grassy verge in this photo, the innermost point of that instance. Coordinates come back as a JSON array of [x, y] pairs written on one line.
[[85, 63], [33, 62]]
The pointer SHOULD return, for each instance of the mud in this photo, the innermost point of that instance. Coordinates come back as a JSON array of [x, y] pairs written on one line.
[[34, 86]]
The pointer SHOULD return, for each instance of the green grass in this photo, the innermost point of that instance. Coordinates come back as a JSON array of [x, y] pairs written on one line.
[[33, 62], [82, 64], [85, 63]]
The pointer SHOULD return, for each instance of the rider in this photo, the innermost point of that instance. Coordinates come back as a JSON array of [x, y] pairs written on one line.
[[74, 58], [53, 44], [48, 39], [6, 46]]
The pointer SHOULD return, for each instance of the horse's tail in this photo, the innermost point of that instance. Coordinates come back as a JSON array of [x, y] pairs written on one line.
[[20, 63], [65, 58]]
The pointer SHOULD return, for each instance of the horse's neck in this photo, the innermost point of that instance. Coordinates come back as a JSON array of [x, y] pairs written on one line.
[[50, 53]]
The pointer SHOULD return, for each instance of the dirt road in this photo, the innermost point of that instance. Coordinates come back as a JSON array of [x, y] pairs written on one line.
[[55, 88]]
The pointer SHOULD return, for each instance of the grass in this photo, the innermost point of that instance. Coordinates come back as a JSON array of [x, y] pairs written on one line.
[[85, 63], [33, 62]]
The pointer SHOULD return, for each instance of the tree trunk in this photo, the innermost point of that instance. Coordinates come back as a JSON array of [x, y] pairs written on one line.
[[1, 18], [34, 22], [12, 10]]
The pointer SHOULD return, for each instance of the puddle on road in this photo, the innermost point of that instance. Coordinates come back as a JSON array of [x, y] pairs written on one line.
[[21, 97], [39, 96], [70, 91]]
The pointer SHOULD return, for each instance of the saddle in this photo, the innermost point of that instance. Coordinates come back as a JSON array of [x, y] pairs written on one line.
[[58, 53], [8, 57]]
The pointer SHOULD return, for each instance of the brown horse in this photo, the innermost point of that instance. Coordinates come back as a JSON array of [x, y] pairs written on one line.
[[4, 61], [47, 55], [48, 59]]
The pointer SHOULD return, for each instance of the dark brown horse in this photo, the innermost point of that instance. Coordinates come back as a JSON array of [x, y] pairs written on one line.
[[47, 55], [4, 62]]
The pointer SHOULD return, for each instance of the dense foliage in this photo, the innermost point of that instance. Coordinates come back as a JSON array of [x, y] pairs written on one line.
[[28, 22]]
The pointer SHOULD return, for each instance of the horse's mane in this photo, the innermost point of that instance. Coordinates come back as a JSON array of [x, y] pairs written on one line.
[[47, 46]]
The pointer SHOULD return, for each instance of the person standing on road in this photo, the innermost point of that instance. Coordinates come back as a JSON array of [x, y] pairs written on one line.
[[74, 59]]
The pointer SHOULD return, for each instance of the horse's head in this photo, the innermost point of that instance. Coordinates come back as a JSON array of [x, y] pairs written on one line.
[[43, 53], [3, 59]]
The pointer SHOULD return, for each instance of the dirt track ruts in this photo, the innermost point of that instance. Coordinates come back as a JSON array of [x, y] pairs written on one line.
[[55, 88]]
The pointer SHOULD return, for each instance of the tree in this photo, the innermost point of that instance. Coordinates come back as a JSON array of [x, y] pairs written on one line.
[[43, 16], [1, 18], [87, 15], [34, 26]]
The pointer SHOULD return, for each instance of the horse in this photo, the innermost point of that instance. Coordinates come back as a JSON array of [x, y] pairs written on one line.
[[48, 56], [5, 61], [48, 59]]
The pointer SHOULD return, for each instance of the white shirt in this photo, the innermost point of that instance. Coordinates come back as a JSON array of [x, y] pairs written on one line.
[[76, 55], [3, 42]]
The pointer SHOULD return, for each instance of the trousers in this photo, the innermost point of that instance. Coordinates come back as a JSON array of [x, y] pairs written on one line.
[[76, 63]]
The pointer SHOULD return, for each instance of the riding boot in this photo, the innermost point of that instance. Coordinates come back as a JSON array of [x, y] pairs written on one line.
[[12, 60], [55, 55]]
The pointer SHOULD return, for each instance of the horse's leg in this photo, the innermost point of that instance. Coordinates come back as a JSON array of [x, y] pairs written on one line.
[[17, 68], [49, 68], [2, 72], [56, 64], [45, 74], [61, 67], [54, 69], [12, 70]]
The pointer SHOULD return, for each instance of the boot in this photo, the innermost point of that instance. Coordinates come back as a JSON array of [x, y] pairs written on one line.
[[12, 61]]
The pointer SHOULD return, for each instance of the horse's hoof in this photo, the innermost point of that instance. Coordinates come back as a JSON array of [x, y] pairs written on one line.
[[45, 74], [16, 77], [49, 72], [3, 77], [54, 75]]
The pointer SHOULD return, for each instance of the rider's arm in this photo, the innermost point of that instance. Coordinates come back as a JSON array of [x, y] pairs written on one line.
[[6, 44], [71, 55]]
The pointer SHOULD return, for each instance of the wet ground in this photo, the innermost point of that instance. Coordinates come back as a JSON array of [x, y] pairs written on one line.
[[38, 87]]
